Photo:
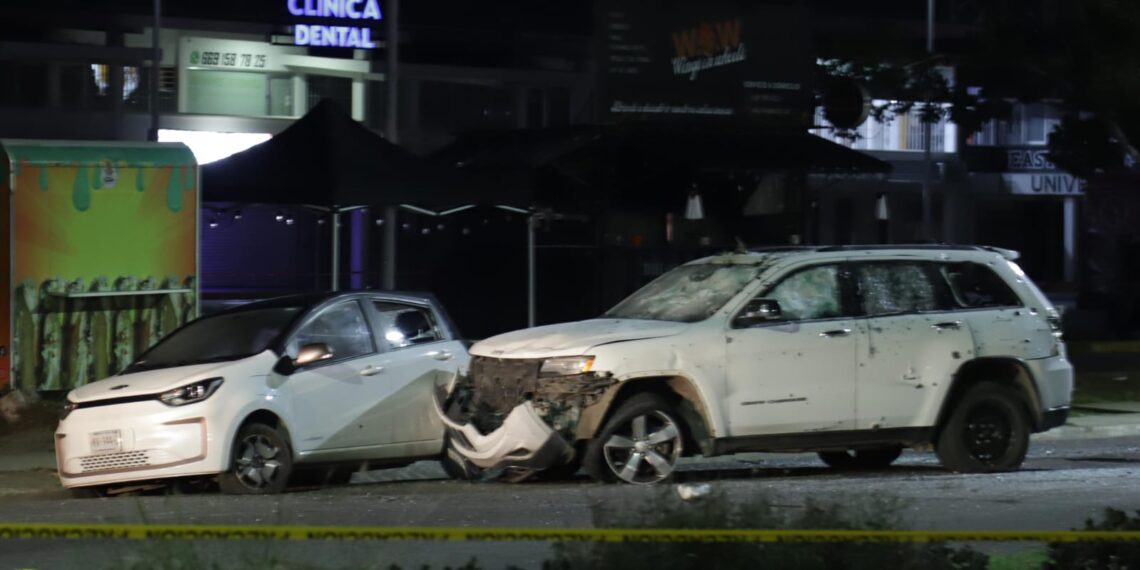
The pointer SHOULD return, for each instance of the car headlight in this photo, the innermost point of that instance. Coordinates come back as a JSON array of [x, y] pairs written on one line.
[[566, 366], [191, 393]]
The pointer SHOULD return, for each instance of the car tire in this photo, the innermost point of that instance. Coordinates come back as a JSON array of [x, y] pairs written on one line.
[[640, 443], [455, 465], [261, 463], [988, 430], [861, 459]]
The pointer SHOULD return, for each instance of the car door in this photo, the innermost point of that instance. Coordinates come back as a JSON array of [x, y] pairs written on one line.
[[329, 397], [915, 343], [417, 355], [797, 373]]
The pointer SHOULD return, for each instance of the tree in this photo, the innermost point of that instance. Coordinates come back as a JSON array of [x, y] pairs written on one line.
[[1080, 55]]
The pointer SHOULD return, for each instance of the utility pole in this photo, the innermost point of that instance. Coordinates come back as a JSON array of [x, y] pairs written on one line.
[[155, 70], [391, 131], [927, 210]]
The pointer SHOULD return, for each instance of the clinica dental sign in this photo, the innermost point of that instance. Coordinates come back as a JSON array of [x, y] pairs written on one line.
[[320, 35]]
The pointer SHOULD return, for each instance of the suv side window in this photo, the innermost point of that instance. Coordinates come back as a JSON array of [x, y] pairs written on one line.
[[974, 286], [342, 327], [402, 325], [892, 287], [810, 294]]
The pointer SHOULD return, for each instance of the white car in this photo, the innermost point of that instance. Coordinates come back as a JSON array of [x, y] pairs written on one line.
[[267, 391], [853, 352]]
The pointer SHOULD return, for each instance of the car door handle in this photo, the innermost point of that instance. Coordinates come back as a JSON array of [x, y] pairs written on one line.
[[442, 355], [947, 325], [835, 333], [371, 370]]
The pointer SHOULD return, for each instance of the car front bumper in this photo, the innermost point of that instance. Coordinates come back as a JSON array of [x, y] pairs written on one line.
[[523, 444], [143, 441]]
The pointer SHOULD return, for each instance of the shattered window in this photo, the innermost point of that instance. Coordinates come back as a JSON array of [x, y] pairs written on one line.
[[809, 294], [341, 326], [687, 294], [403, 325], [894, 288], [977, 286]]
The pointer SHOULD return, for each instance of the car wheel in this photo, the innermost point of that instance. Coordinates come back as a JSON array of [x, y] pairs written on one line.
[[640, 443], [988, 430], [856, 459], [261, 462], [455, 465]]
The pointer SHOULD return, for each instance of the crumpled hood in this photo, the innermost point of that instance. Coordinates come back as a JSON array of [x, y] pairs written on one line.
[[152, 381], [571, 339]]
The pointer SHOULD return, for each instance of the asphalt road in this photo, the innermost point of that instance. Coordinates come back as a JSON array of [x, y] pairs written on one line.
[[1061, 484]]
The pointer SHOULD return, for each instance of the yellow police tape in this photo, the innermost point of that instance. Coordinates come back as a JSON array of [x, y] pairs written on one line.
[[51, 531]]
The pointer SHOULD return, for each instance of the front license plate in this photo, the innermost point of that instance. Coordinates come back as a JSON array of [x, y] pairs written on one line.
[[108, 441]]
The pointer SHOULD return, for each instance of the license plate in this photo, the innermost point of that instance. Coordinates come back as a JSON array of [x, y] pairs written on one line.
[[109, 441]]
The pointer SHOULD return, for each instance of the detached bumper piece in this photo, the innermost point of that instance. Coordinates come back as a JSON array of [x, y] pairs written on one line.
[[522, 445]]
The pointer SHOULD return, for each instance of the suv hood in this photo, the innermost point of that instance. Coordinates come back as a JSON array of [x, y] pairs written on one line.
[[572, 339], [152, 381]]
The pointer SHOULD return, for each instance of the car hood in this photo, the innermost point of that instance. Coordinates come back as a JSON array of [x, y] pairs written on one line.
[[571, 339], [155, 381]]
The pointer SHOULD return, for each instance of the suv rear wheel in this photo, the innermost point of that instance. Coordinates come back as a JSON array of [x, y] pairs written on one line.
[[640, 443], [988, 430]]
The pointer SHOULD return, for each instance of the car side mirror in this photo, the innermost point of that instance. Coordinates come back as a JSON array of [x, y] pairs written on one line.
[[758, 311], [308, 354]]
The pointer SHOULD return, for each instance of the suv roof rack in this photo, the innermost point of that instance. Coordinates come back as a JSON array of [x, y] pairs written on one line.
[[1006, 253], [923, 246]]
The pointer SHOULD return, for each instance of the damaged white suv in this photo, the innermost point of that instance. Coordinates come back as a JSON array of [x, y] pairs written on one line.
[[852, 352]]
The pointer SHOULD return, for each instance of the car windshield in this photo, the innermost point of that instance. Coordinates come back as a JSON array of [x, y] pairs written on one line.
[[687, 294], [218, 338]]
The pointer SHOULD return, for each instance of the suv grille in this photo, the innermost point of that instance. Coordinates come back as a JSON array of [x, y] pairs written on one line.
[[503, 383]]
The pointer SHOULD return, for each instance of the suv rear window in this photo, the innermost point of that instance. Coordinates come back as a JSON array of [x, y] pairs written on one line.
[[977, 286]]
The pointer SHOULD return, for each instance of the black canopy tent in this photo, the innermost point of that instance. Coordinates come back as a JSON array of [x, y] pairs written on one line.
[[573, 153], [329, 162]]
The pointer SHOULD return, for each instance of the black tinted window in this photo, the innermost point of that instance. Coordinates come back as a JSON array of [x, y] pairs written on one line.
[[974, 285]]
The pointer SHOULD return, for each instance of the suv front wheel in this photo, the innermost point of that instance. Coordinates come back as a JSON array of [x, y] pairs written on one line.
[[988, 430], [640, 443]]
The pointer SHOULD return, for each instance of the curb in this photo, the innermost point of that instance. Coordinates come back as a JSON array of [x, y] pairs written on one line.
[[1070, 431]]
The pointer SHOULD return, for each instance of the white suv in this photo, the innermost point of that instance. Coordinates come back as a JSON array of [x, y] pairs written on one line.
[[852, 352]]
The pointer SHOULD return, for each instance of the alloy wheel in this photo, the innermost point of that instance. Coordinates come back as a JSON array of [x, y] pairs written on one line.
[[645, 450], [257, 462]]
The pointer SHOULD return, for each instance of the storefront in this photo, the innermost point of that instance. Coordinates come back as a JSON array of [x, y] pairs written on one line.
[[1017, 198]]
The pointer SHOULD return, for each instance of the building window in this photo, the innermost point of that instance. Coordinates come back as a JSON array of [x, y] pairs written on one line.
[[226, 93], [914, 137]]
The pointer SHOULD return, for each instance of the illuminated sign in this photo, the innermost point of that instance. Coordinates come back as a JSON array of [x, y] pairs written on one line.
[[320, 35]]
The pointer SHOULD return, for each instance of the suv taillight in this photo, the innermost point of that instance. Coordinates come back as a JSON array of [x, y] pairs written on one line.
[[1054, 325]]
